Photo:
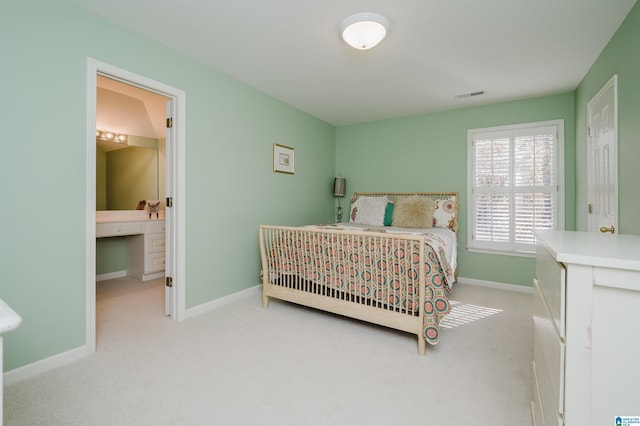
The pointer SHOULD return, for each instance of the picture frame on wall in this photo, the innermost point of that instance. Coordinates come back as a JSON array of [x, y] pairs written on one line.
[[283, 159]]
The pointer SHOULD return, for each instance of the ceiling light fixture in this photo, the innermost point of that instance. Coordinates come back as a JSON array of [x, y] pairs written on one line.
[[364, 30]]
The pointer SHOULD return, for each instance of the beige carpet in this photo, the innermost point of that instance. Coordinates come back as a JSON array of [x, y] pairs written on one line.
[[287, 365]]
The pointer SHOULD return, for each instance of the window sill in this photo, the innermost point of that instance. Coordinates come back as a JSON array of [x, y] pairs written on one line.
[[531, 254]]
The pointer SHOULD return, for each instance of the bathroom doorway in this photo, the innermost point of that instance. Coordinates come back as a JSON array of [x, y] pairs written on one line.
[[106, 81], [130, 176]]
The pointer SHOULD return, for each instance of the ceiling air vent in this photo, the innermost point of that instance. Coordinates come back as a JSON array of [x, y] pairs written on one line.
[[468, 95]]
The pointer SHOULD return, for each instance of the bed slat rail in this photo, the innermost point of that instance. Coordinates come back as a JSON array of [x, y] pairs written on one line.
[[372, 276]]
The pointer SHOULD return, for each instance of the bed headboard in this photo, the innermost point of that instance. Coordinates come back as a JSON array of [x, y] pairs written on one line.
[[446, 203]]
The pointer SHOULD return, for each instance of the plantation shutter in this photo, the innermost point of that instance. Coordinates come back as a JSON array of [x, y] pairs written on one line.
[[514, 187]]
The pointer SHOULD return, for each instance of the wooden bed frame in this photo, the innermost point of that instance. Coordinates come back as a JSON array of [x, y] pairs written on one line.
[[294, 283]]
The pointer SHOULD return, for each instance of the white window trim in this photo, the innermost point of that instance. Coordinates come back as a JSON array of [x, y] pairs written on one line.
[[494, 248]]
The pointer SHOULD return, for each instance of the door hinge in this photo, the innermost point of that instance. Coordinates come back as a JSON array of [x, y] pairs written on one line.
[[590, 208], [169, 202], [169, 122], [589, 131], [168, 282]]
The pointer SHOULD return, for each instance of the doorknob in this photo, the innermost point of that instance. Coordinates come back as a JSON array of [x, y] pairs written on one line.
[[610, 229]]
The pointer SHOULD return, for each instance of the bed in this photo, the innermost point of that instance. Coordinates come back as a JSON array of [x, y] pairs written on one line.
[[392, 264]]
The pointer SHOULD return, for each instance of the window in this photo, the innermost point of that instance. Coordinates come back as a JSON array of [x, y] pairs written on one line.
[[515, 185]]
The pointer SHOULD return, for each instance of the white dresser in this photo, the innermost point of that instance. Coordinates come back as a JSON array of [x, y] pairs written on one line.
[[586, 319], [9, 320]]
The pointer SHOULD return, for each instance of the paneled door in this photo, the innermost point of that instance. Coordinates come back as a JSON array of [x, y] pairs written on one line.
[[602, 159]]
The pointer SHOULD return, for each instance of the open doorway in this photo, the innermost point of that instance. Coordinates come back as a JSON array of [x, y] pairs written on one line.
[[165, 108], [130, 177]]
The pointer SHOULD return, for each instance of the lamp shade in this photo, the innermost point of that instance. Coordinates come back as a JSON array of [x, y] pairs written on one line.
[[339, 186], [363, 31]]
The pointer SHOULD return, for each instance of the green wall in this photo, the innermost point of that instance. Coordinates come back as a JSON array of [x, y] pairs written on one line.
[[622, 57], [429, 153], [111, 255], [231, 188]]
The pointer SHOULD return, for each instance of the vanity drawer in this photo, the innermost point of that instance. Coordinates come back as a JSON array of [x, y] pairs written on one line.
[[114, 229], [154, 243], [552, 283], [154, 227], [153, 262], [549, 348]]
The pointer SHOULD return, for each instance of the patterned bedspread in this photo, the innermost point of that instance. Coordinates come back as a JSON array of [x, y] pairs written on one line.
[[379, 272]]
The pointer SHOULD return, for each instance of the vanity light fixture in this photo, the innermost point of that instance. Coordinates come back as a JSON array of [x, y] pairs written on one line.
[[106, 135], [365, 30]]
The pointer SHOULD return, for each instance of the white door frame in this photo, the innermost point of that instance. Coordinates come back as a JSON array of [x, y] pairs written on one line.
[[177, 164]]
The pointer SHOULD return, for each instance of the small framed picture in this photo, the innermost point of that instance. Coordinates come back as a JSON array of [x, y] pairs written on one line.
[[283, 159]]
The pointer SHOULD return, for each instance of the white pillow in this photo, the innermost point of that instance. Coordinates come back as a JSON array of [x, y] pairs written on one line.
[[369, 211], [444, 213]]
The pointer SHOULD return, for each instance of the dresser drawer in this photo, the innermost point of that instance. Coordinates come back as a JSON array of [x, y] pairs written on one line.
[[552, 282], [536, 403], [154, 243], [114, 229], [549, 346], [153, 262], [543, 411]]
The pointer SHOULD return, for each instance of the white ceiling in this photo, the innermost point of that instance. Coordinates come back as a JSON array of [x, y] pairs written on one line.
[[435, 49]]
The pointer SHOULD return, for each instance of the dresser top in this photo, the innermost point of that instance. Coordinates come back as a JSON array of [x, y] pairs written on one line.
[[9, 319], [617, 251]]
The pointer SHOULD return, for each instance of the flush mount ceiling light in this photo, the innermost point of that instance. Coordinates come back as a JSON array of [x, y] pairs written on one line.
[[364, 30]]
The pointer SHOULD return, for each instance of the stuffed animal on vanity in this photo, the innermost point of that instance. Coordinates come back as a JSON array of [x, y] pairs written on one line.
[[153, 206]]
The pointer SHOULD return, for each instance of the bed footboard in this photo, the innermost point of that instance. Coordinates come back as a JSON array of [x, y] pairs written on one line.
[[370, 276]]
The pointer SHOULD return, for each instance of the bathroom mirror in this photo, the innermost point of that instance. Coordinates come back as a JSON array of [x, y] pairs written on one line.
[[126, 175]]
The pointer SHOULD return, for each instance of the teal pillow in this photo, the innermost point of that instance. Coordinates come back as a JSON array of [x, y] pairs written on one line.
[[388, 214]]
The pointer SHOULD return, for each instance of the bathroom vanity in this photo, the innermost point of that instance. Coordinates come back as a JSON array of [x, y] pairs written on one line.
[[145, 240]]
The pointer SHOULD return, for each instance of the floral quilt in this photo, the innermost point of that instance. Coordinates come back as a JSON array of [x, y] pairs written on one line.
[[380, 271]]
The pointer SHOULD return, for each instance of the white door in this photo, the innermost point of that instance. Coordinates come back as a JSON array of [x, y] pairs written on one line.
[[602, 159], [169, 289]]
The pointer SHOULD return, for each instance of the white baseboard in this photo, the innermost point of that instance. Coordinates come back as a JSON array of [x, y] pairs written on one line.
[[35, 368], [154, 276], [111, 275], [122, 274], [214, 304], [494, 284]]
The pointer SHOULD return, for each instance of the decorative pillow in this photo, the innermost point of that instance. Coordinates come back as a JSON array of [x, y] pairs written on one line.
[[413, 212], [388, 214], [369, 210], [444, 213]]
